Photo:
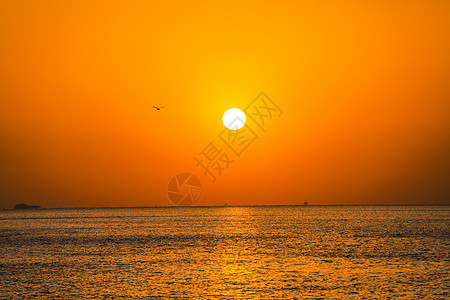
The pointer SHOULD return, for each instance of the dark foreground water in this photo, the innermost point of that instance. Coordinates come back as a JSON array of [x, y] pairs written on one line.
[[353, 252]]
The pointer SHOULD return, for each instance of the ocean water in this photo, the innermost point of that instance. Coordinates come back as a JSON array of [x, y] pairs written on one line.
[[291, 252]]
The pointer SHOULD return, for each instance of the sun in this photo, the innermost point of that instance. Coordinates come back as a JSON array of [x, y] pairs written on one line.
[[234, 119]]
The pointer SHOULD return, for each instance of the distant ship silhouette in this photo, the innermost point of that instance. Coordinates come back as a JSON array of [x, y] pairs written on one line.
[[24, 206]]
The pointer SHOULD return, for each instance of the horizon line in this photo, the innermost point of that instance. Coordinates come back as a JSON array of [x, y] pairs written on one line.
[[194, 206]]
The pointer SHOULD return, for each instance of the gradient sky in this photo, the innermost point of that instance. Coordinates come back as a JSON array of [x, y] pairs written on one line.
[[364, 87]]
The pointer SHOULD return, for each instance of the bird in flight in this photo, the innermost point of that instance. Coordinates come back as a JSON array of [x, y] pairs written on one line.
[[158, 108]]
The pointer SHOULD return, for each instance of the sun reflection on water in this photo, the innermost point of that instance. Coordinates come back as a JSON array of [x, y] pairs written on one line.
[[228, 252]]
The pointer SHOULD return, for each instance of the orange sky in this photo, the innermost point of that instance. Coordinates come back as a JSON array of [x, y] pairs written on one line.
[[364, 87]]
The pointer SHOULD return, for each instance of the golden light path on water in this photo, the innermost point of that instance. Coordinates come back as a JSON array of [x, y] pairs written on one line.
[[226, 252]]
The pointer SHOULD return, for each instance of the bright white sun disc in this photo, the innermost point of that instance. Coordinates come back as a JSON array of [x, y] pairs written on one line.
[[234, 119]]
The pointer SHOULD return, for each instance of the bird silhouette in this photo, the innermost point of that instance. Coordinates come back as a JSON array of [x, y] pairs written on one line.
[[158, 108]]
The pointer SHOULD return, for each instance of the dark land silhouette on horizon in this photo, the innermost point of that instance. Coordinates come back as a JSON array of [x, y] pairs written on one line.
[[25, 206]]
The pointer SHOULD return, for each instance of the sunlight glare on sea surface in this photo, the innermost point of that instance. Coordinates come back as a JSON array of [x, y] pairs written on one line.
[[312, 252]]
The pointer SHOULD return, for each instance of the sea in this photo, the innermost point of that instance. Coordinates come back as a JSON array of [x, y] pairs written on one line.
[[264, 252]]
